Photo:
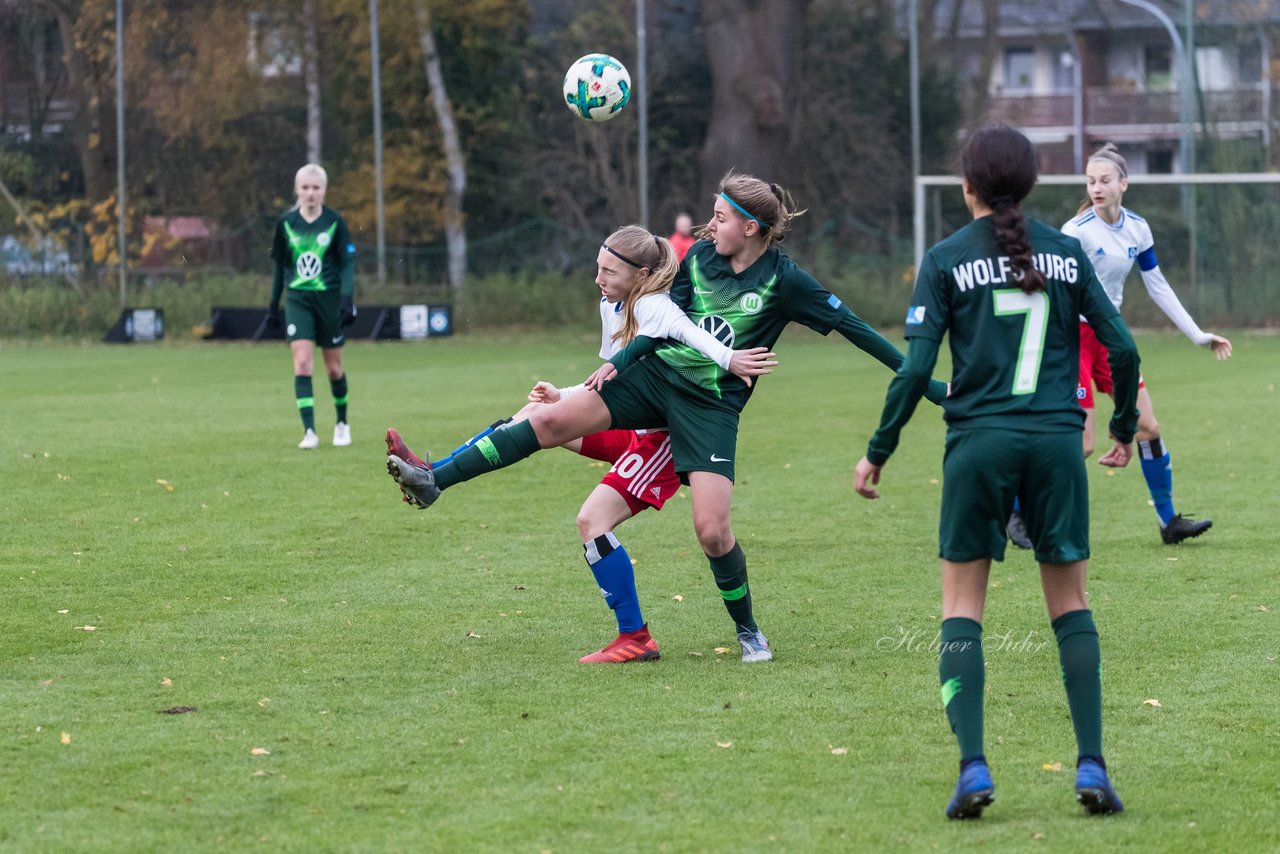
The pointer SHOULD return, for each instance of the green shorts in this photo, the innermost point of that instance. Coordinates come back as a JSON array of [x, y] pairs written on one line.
[[704, 430], [984, 469], [313, 316]]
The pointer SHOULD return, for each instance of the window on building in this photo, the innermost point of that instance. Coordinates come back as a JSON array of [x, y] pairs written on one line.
[[1160, 162], [1064, 67], [1157, 60], [1019, 68], [274, 50]]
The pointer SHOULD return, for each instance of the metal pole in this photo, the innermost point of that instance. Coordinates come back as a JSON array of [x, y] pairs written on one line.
[[1186, 92], [642, 95], [376, 62], [120, 196], [917, 206]]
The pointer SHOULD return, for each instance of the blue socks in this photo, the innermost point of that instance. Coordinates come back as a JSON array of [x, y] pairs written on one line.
[[611, 566], [1157, 468]]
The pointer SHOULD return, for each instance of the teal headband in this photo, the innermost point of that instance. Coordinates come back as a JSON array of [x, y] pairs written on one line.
[[764, 226]]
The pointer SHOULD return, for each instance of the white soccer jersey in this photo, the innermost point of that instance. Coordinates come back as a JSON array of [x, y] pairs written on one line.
[[657, 317], [1114, 247]]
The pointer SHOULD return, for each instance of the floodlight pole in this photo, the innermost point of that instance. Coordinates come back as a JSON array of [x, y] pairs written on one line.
[[917, 189], [376, 63], [1186, 84], [642, 103], [124, 244]]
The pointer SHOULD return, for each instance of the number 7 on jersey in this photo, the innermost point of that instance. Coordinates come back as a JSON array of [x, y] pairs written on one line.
[[1006, 301]]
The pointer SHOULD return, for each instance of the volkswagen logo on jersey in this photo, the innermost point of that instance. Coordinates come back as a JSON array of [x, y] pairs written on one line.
[[309, 265], [720, 328], [751, 303], [322, 239]]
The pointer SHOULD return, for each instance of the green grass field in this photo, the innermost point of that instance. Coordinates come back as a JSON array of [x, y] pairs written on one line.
[[367, 677]]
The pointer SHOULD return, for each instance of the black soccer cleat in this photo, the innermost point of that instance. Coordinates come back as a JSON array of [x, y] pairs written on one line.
[[1017, 531], [1181, 528]]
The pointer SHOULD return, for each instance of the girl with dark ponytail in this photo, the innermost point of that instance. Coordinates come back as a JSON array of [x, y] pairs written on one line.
[[1010, 290]]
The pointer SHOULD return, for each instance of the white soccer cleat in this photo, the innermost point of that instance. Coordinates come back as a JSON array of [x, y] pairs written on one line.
[[341, 435], [755, 647], [309, 441]]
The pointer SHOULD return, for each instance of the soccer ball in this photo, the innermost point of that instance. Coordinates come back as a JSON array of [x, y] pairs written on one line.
[[597, 87]]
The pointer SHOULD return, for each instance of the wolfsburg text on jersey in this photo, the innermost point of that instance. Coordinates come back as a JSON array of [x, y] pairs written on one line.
[[999, 270]]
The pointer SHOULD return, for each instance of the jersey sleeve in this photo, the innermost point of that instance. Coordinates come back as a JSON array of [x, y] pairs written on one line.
[[930, 311], [346, 257], [278, 253], [658, 317], [808, 302]]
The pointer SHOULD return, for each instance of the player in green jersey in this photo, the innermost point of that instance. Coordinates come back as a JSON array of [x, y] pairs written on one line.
[[315, 265], [740, 287], [1009, 291]]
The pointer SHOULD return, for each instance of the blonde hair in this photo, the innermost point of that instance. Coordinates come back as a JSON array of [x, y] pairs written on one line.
[[1108, 153], [312, 169], [770, 205], [642, 250]]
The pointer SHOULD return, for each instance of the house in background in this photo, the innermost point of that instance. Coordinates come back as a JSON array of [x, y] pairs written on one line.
[[1076, 73]]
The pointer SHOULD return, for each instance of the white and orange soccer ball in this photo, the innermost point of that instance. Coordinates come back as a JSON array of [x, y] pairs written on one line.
[[597, 87]]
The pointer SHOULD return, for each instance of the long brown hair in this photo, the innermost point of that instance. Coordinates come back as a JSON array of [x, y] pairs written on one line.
[[643, 251], [1000, 165], [770, 205]]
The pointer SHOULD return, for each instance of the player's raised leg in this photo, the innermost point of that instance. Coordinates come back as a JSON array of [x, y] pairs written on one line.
[[550, 426]]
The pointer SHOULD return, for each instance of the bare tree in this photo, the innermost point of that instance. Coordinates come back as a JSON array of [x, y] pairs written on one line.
[[454, 229], [311, 72], [754, 50]]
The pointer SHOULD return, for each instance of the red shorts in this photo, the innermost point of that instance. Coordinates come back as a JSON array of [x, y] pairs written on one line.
[[1094, 367], [643, 472]]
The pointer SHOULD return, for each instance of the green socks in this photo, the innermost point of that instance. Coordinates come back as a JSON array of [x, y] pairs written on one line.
[[339, 389], [306, 401], [962, 671], [730, 571], [1082, 675], [498, 450]]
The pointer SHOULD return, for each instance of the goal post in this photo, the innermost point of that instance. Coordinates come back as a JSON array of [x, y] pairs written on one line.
[[1217, 234]]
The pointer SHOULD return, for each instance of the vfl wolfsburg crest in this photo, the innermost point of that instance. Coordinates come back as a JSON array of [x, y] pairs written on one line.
[[720, 328], [751, 303], [322, 239], [309, 265]]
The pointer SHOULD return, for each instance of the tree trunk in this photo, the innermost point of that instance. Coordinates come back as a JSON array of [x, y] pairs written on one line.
[[454, 230], [754, 51], [90, 104], [311, 51]]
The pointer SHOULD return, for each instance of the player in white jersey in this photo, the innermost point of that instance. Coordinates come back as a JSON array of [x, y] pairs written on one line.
[[635, 270], [1114, 238]]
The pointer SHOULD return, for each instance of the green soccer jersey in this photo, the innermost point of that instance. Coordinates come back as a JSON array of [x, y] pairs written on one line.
[[743, 310], [1015, 356], [314, 256]]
